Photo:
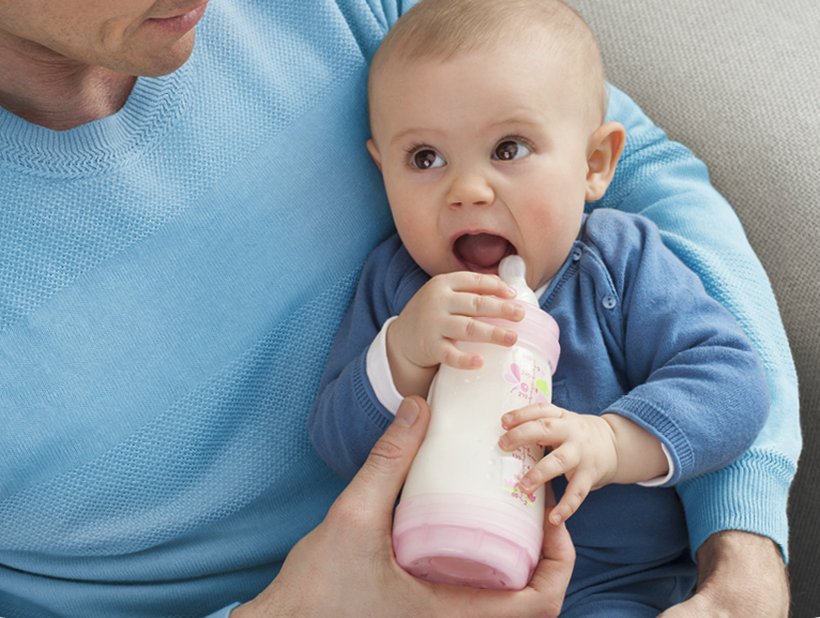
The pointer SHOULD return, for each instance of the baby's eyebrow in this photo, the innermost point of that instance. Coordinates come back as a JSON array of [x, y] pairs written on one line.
[[401, 135], [519, 120]]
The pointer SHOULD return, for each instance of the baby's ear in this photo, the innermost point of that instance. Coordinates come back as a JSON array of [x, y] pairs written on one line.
[[605, 147], [374, 153]]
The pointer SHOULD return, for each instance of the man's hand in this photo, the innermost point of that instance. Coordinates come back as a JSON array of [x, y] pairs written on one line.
[[739, 574], [346, 566]]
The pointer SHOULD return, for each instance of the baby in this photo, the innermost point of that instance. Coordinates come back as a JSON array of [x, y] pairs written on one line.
[[488, 126]]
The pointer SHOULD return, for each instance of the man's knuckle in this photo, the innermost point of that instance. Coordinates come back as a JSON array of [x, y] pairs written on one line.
[[346, 514], [385, 451]]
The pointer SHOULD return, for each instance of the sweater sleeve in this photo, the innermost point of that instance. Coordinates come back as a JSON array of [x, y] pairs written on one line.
[[695, 381], [347, 417], [665, 182], [370, 26]]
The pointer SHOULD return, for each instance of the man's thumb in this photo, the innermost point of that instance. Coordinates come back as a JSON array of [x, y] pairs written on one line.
[[379, 480]]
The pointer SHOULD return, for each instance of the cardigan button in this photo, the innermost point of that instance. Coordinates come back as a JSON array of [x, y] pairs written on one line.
[[609, 301]]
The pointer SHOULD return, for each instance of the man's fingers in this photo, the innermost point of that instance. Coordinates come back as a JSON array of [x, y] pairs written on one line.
[[552, 574], [373, 491], [694, 607]]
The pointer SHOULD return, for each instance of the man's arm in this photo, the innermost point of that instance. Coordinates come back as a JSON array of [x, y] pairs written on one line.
[[665, 182], [739, 574]]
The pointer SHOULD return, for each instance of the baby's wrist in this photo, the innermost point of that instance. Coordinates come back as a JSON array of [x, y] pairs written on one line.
[[639, 454], [408, 377]]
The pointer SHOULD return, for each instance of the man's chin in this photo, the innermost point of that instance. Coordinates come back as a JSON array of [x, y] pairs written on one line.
[[160, 62]]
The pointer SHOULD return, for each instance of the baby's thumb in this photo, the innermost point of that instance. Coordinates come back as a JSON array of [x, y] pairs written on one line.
[[378, 482]]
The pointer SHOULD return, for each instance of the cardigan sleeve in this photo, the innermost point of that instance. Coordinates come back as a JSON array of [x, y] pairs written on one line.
[[664, 181], [695, 381]]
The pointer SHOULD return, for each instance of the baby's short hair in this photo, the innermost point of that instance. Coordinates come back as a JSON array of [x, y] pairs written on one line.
[[443, 28]]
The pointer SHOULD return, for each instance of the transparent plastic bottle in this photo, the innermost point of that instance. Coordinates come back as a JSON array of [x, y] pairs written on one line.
[[462, 518]]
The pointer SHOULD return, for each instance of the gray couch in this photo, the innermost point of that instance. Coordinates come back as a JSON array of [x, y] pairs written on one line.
[[738, 81]]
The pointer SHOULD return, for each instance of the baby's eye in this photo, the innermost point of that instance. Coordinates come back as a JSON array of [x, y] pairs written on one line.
[[426, 158], [511, 149]]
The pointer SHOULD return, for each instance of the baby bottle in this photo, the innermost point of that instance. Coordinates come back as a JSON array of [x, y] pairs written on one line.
[[463, 518]]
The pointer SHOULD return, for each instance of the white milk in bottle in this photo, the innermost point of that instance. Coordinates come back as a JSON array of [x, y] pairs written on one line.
[[462, 518]]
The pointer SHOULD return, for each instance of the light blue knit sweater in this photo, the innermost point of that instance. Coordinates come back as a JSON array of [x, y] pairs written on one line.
[[170, 281]]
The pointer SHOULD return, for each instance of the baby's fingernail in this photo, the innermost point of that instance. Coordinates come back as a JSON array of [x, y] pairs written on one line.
[[504, 442], [506, 419], [511, 291], [510, 336]]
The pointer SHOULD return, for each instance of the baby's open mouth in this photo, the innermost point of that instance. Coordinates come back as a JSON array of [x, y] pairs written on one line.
[[482, 252]]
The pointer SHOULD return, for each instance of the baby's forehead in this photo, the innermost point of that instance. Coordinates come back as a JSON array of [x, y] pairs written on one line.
[[562, 35], [443, 29], [514, 33], [572, 68], [447, 26]]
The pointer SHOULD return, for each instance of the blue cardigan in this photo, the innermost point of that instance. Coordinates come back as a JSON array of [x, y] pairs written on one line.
[[639, 337], [171, 278]]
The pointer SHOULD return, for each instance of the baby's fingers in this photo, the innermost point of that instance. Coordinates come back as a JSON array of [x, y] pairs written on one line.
[[485, 306], [480, 283], [531, 413], [547, 429], [576, 492], [461, 328], [447, 353], [560, 461]]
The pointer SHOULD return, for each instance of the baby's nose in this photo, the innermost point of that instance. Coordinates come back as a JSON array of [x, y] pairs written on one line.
[[470, 190]]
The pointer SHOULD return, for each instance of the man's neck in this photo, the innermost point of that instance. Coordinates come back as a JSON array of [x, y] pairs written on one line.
[[51, 90]]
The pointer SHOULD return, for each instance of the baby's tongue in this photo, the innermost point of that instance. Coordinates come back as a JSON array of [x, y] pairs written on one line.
[[483, 251]]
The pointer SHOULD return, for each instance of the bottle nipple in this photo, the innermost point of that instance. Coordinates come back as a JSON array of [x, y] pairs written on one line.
[[513, 272]]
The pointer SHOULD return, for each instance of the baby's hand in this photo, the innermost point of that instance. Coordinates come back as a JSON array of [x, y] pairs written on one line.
[[582, 447], [442, 312]]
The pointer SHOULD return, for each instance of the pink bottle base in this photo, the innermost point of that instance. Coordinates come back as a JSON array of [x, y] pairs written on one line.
[[466, 540]]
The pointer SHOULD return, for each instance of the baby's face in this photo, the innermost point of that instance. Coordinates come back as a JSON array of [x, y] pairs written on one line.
[[483, 155]]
